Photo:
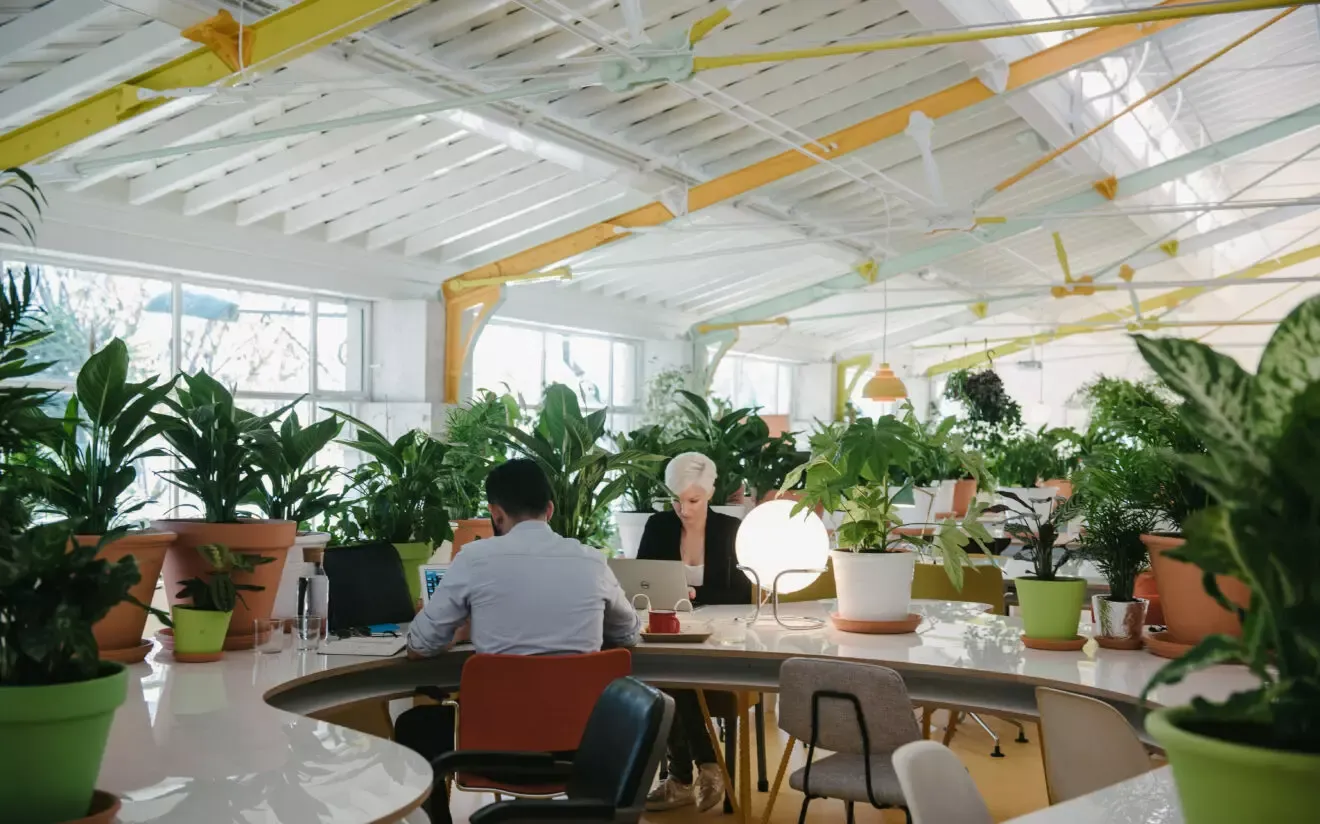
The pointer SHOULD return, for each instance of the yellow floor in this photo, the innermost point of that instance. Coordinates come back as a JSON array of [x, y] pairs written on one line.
[[1012, 786]]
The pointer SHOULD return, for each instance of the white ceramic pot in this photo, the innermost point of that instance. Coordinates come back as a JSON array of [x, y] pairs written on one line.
[[732, 510], [874, 586], [631, 526]]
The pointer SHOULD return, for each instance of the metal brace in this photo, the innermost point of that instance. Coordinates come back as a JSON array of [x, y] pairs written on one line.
[[994, 75], [619, 76]]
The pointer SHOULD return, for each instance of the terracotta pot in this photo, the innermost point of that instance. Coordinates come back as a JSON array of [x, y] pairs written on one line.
[[1146, 589], [1065, 488], [963, 493], [1189, 612], [122, 627], [104, 810], [468, 530], [272, 539]]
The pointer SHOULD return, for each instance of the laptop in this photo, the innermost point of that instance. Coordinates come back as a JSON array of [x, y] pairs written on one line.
[[651, 584], [367, 589], [431, 575]]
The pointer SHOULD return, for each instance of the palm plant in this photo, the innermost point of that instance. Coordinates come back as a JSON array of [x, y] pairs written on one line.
[[399, 492], [22, 421], [1112, 541], [731, 440], [292, 488], [585, 477]]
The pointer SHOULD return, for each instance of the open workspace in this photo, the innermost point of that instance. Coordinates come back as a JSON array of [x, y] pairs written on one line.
[[665, 411]]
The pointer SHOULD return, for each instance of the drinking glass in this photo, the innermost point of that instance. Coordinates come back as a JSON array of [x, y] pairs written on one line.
[[308, 631], [269, 635]]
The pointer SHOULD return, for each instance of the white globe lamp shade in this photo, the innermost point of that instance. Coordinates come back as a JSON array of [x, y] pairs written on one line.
[[771, 540]]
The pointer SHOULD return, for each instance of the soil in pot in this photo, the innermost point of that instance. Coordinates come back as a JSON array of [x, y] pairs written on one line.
[[468, 530], [1051, 610], [1188, 611], [412, 556], [272, 539], [1227, 774], [874, 586], [55, 737], [199, 631], [122, 628]]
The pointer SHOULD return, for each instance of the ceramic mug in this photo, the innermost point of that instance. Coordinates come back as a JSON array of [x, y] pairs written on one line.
[[664, 621]]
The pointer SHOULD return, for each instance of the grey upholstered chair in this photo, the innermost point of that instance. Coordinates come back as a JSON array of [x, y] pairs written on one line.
[[859, 712]]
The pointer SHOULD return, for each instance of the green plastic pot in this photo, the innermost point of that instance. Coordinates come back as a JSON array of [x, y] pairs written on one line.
[[1051, 610], [199, 631], [413, 556], [1220, 782], [54, 738]]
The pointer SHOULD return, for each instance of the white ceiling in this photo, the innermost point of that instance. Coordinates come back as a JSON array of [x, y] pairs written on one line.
[[394, 208]]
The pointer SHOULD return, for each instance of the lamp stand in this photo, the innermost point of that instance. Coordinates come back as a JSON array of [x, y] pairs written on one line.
[[799, 622]]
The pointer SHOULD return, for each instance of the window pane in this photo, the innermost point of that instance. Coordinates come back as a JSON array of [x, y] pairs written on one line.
[[784, 404], [723, 384], [580, 362], [509, 356], [625, 375], [340, 343], [86, 310], [259, 342], [757, 384]]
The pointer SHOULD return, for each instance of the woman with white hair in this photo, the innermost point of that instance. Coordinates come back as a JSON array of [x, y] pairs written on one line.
[[704, 541]]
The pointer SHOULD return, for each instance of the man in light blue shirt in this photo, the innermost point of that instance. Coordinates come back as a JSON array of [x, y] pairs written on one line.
[[526, 591]]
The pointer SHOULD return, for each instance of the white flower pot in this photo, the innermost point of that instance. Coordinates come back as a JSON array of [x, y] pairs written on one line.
[[874, 586], [631, 526], [732, 510]]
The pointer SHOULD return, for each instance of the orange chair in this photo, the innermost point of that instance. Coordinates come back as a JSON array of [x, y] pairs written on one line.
[[529, 703]]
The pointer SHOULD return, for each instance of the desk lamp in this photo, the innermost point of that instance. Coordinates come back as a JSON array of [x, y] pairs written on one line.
[[788, 550]]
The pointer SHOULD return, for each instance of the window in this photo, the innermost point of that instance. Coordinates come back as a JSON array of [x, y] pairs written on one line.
[[747, 380], [271, 347], [525, 358]]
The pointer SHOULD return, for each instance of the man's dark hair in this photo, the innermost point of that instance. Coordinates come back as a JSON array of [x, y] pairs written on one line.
[[519, 487]]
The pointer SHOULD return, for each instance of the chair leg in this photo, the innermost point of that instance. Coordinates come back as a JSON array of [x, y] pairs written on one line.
[[761, 784], [996, 753], [952, 727], [731, 758], [724, 765], [848, 815], [779, 779], [1022, 732], [802, 816], [926, 713], [907, 815]]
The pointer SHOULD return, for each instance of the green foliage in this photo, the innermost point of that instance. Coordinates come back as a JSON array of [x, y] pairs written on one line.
[[473, 432], [1261, 436], [585, 477], [940, 453], [1112, 541], [643, 482], [1029, 457], [218, 444], [1039, 534], [217, 592], [661, 407], [51, 593], [90, 459], [852, 470], [400, 491], [984, 396], [21, 202], [292, 488], [731, 440], [767, 468], [22, 420]]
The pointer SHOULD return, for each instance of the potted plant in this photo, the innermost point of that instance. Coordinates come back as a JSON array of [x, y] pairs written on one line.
[[292, 488], [731, 440], [399, 496], [1254, 756], [87, 466], [473, 434], [852, 469], [945, 472], [768, 467], [1051, 604], [585, 477], [205, 605], [1112, 541], [643, 486], [218, 444]]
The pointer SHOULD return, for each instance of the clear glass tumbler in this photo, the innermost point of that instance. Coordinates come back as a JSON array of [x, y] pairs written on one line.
[[270, 635], [308, 631]]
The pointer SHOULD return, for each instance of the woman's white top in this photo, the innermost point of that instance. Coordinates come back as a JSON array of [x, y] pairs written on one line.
[[695, 574]]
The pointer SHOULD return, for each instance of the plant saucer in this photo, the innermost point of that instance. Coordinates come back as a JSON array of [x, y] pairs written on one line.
[[131, 655], [103, 810], [1073, 644], [1161, 643], [902, 626]]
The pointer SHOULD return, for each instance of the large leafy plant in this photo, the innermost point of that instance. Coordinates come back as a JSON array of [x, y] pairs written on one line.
[[473, 432], [292, 488], [399, 491], [22, 421], [643, 483], [1261, 438], [91, 458], [1039, 532], [1030, 457], [768, 467], [731, 440], [51, 593], [852, 469], [939, 453], [217, 443], [218, 592], [585, 477]]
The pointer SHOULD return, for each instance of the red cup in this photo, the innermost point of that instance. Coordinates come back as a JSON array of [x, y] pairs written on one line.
[[664, 621]]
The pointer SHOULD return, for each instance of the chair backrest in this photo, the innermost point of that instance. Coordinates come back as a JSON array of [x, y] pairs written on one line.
[[621, 747], [1086, 744], [533, 703], [879, 691], [937, 787], [982, 583]]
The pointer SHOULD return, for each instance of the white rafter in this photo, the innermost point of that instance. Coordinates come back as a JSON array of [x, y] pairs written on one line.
[[32, 31]]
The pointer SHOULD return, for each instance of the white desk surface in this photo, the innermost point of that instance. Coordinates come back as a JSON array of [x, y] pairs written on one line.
[[1146, 799], [197, 743]]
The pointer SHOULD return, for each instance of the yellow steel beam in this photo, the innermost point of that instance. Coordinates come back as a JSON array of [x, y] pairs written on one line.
[[1168, 300], [276, 40], [1031, 69], [465, 315], [707, 328], [843, 385]]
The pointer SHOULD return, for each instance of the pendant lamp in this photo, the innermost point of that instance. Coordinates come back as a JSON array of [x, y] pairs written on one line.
[[884, 385]]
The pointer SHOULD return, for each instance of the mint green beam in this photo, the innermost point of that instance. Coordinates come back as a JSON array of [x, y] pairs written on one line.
[[1135, 183]]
